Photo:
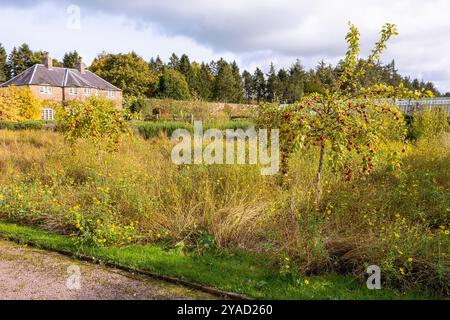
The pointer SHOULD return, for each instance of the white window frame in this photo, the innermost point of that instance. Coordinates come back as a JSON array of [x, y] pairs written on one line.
[[72, 91], [48, 114], [110, 94], [45, 90], [87, 91]]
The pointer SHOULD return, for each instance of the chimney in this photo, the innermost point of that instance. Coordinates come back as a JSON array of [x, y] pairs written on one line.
[[80, 66], [47, 60]]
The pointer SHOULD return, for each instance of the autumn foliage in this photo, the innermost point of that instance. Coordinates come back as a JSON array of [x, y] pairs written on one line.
[[347, 121], [19, 104], [95, 120]]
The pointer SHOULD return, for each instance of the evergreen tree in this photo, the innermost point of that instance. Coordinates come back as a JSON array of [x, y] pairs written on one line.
[[70, 59], [20, 59], [249, 86], [272, 85], [205, 83], [214, 67], [296, 82], [283, 84], [326, 75], [157, 65], [238, 89], [259, 83], [3, 65], [415, 84], [185, 67], [225, 83], [174, 62], [173, 85]]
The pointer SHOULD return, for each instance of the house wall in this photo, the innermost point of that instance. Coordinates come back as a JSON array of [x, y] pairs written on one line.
[[57, 95], [118, 98]]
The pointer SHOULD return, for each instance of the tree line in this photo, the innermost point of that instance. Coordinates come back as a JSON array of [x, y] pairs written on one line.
[[182, 79]]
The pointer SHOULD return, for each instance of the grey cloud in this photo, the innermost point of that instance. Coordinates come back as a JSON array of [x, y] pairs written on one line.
[[287, 28]]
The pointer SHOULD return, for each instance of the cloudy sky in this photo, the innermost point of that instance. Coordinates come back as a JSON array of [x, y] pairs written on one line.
[[253, 32]]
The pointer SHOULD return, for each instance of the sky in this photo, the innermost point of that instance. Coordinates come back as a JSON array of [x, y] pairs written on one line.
[[252, 32]]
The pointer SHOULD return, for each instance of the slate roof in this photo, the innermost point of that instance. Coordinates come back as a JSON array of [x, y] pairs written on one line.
[[59, 77]]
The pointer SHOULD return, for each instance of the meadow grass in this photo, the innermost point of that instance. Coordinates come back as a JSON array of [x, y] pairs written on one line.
[[153, 129], [396, 218]]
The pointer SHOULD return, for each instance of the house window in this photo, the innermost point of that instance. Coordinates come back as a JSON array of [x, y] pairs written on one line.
[[87, 91], [48, 114], [45, 90], [110, 94], [73, 91]]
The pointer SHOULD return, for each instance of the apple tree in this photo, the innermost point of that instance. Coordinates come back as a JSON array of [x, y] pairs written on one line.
[[95, 120], [347, 121]]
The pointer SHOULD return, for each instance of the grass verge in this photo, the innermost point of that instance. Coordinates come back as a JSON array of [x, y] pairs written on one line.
[[243, 273]]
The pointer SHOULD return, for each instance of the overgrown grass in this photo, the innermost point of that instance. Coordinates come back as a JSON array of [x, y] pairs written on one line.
[[151, 129], [232, 271], [396, 218], [27, 125]]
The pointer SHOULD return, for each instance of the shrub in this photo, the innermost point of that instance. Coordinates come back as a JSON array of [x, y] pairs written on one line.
[[429, 122], [238, 124], [19, 104], [136, 104], [28, 125], [95, 120], [150, 130], [9, 125]]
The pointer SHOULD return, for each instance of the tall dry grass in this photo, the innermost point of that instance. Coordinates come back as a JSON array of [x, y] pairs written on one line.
[[396, 218]]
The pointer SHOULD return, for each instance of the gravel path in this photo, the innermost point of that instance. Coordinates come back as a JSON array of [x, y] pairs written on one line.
[[28, 273]]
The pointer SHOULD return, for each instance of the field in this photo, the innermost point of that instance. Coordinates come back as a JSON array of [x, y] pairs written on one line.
[[396, 218]]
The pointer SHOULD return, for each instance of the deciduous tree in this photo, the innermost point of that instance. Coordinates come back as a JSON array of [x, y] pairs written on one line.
[[128, 72], [348, 122], [19, 104]]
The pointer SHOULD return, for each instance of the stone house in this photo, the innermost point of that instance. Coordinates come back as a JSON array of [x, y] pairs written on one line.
[[63, 84]]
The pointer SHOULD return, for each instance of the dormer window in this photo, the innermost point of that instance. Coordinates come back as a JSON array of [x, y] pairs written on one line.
[[73, 91], [45, 90]]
